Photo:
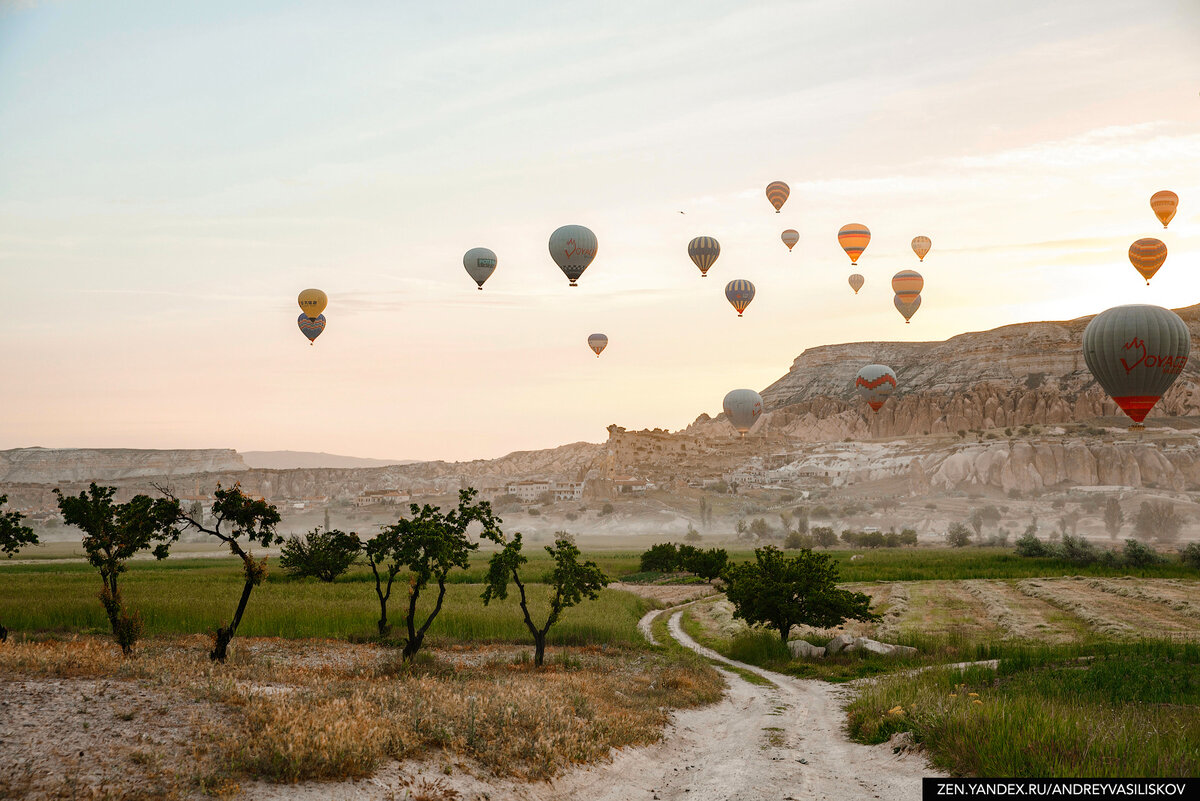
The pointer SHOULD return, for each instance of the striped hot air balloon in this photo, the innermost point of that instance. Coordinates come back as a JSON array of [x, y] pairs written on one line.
[[907, 284], [790, 237], [921, 246], [704, 251], [311, 327], [312, 302], [854, 239], [739, 293], [742, 407], [573, 247], [907, 307], [875, 383], [1136, 353], [856, 282], [777, 193], [1146, 256], [480, 263], [1164, 204], [597, 342]]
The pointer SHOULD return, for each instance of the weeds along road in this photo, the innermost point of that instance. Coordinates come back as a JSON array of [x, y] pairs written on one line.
[[783, 740]]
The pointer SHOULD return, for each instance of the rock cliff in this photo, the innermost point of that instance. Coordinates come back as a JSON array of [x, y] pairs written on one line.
[[48, 465]]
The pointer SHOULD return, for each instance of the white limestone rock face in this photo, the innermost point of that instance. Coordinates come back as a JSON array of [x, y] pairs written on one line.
[[802, 649]]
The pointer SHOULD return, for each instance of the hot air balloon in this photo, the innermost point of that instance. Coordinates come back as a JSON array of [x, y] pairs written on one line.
[[856, 282], [480, 264], [790, 237], [742, 407], [704, 251], [573, 247], [313, 302], [1164, 204], [907, 284], [1146, 256], [1136, 353], [311, 327], [597, 342], [921, 246], [739, 292], [854, 239], [777, 193], [907, 307], [875, 383]]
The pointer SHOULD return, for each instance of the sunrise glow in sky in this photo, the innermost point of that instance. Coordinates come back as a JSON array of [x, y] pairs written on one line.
[[172, 175]]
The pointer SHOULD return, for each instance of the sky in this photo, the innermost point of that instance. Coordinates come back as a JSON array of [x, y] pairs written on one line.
[[172, 175]]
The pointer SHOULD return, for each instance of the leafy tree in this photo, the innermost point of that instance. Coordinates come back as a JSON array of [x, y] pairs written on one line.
[[112, 534], [1158, 520], [1114, 518], [795, 540], [1028, 544], [759, 528], [13, 537], [783, 591], [692, 534], [1136, 554], [430, 544], [660, 558], [785, 519], [958, 535], [606, 509], [570, 581], [236, 516], [1077, 550], [1190, 555], [908, 536], [705, 564], [824, 536], [380, 551], [323, 555]]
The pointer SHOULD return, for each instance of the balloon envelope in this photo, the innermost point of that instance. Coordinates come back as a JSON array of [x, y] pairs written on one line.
[[875, 383], [312, 302], [921, 246], [856, 282], [790, 237], [1146, 256], [1136, 353], [907, 284], [1164, 204], [739, 292], [742, 407], [704, 251], [777, 193], [573, 247], [907, 307], [480, 264], [311, 327], [854, 238], [597, 342]]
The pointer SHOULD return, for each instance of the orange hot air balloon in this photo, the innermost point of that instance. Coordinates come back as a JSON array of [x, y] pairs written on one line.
[[777, 193], [854, 239], [856, 282], [1164, 205], [790, 237], [907, 284], [1146, 256], [921, 246]]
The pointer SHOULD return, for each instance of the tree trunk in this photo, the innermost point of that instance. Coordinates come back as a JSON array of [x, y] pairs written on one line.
[[784, 629], [221, 645], [539, 651]]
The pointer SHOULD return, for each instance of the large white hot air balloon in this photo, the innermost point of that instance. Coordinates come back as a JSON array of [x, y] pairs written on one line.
[[742, 407], [480, 264], [573, 247]]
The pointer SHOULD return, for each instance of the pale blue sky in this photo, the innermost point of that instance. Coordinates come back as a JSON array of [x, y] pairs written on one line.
[[171, 175]]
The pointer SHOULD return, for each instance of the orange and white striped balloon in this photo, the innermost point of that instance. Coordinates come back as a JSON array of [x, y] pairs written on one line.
[[907, 284], [921, 246], [1146, 256], [777, 193], [854, 239], [790, 237], [1164, 204]]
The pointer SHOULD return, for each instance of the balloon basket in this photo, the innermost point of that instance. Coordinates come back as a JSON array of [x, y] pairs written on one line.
[[1138, 427]]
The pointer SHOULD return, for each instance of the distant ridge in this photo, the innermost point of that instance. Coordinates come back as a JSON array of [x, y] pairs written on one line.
[[294, 460]]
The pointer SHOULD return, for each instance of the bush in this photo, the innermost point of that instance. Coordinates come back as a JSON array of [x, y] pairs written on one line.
[[323, 555], [1030, 545], [661, 558], [1138, 555], [796, 540], [958, 535], [1077, 550], [824, 536], [606, 509], [1191, 555]]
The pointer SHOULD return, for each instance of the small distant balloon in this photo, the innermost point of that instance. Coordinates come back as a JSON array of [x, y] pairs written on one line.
[[573, 247], [480, 263], [311, 327], [313, 302], [907, 284], [704, 251], [739, 293], [1135, 353], [854, 239], [921, 246], [875, 383], [597, 342], [907, 307], [777, 193], [1146, 256], [856, 282], [742, 407], [790, 237], [1164, 204]]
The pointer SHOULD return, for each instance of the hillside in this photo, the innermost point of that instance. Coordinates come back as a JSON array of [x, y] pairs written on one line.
[[295, 460]]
